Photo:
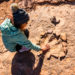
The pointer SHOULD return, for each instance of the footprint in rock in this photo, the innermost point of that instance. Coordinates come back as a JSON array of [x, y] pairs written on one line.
[[54, 20]]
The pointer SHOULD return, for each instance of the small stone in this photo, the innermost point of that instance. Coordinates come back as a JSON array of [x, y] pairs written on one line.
[[48, 54], [56, 32], [49, 32], [46, 41], [59, 41], [65, 49], [42, 33], [64, 44], [42, 42], [63, 36]]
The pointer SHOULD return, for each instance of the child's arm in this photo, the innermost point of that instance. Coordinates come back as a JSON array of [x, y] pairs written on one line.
[[28, 44], [23, 41]]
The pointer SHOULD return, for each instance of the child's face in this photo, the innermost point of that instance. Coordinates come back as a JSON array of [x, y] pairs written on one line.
[[23, 26]]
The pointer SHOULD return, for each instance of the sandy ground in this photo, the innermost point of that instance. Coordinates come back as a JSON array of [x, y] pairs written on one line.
[[40, 22]]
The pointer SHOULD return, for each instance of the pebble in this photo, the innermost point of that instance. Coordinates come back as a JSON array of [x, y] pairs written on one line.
[[63, 36]]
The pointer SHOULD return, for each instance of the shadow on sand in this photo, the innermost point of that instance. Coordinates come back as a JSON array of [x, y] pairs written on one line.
[[22, 64]]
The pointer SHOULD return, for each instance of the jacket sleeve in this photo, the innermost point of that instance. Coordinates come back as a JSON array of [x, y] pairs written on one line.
[[22, 40], [28, 44]]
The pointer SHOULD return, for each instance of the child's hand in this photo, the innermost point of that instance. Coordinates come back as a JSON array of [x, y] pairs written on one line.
[[46, 48]]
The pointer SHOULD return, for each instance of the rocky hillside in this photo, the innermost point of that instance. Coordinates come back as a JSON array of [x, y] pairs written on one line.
[[50, 22]]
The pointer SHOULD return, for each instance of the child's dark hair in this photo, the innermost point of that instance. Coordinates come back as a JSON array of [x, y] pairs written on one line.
[[19, 16]]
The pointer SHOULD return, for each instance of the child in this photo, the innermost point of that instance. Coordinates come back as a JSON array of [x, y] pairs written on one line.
[[12, 32]]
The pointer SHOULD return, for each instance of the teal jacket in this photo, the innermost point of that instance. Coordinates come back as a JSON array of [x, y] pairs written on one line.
[[12, 36]]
